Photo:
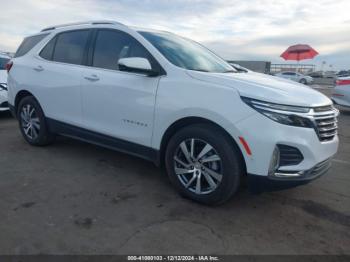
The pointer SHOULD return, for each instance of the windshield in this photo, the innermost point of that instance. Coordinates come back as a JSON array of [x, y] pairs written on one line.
[[187, 54]]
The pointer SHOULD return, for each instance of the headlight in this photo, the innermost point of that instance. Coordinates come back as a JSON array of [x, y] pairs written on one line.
[[284, 114]]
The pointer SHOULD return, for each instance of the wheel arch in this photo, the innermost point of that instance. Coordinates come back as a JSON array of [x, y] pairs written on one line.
[[20, 95], [187, 121]]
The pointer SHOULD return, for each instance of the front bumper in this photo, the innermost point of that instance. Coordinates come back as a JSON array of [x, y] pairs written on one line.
[[309, 81], [262, 135], [277, 181]]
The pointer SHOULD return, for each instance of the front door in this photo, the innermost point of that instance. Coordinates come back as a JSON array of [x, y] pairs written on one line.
[[117, 103]]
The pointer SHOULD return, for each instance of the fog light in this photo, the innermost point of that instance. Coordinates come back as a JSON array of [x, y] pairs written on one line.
[[275, 161]]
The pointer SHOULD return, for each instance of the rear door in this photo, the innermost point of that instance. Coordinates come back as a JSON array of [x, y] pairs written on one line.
[[57, 72], [118, 103]]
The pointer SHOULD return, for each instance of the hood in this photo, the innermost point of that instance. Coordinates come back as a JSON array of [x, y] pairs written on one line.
[[266, 88]]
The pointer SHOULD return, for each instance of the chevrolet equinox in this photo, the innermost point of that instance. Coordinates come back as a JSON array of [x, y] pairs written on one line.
[[170, 100]]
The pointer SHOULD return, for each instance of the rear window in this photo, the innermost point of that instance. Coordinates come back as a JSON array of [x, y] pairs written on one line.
[[28, 43], [70, 47], [3, 62]]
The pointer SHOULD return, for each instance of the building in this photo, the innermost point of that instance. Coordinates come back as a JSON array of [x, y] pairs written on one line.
[[257, 66]]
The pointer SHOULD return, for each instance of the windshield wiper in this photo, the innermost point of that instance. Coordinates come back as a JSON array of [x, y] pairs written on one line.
[[230, 71], [200, 70]]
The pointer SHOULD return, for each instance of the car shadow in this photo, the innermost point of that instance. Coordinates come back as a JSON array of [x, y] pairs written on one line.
[[344, 111], [5, 115]]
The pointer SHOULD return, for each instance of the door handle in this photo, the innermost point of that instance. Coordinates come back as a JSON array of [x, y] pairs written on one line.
[[38, 68], [92, 78]]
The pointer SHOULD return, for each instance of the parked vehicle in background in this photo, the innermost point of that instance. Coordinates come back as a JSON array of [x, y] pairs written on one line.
[[341, 93], [316, 74], [343, 73], [168, 99], [4, 59], [296, 76], [330, 74]]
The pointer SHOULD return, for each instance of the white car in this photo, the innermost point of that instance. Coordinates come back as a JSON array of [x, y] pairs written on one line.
[[341, 93], [3, 82], [169, 100], [296, 76]]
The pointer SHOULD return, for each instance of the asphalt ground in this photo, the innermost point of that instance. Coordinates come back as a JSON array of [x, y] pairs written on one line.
[[76, 198]]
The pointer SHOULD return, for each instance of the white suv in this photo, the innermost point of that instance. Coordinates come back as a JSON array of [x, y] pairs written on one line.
[[4, 59], [170, 100]]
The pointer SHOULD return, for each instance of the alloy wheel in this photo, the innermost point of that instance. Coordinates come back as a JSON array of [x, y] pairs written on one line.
[[30, 121], [198, 166]]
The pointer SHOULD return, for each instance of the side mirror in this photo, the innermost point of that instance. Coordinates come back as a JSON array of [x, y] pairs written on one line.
[[136, 65]]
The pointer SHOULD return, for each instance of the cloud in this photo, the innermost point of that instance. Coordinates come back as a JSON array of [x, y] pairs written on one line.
[[235, 29]]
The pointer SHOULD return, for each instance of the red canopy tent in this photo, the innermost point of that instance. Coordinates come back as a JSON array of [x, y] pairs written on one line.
[[299, 52]]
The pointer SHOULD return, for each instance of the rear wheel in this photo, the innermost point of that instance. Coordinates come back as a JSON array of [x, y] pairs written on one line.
[[32, 122], [203, 164], [303, 81]]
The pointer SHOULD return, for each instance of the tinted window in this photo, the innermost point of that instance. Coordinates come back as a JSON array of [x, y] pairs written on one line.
[[3, 62], [47, 51], [28, 43], [111, 46], [187, 54], [70, 47]]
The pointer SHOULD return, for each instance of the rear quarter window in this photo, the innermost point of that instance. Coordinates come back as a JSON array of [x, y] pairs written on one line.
[[47, 51], [28, 43]]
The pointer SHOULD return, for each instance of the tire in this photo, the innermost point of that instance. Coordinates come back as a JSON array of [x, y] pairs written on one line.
[[32, 122], [303, 81], [230, 165]]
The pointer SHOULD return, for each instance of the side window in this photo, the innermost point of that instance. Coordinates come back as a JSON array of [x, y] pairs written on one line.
[[28, 43], [110, 46], [70, 47], [47, 51]]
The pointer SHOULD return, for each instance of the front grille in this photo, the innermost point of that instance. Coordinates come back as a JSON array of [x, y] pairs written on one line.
[[325, 122], [289, 155]]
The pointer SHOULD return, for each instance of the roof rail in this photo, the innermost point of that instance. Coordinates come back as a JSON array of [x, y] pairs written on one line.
[[97, 22]]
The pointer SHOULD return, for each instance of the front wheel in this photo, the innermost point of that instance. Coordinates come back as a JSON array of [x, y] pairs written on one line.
[[32, 122], [203, 164]]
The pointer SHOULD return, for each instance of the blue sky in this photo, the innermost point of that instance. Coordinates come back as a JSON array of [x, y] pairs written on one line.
[[236, 30]]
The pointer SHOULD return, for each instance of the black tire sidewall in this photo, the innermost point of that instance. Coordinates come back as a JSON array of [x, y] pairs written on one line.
[[44, 136], [231, 162]]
